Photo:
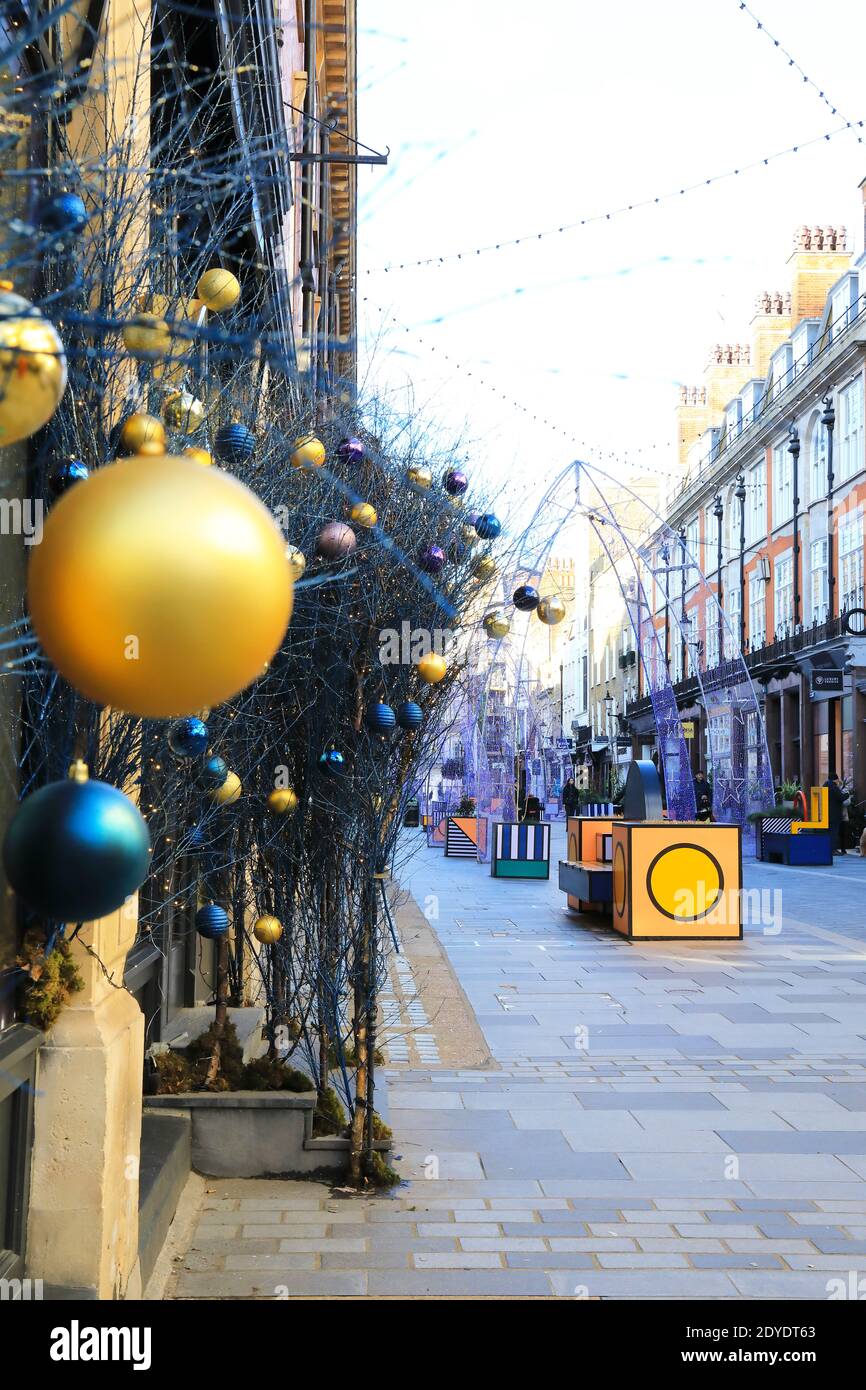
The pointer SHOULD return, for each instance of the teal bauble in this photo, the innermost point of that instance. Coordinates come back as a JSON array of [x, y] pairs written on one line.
[[215, 772], [75, 850]]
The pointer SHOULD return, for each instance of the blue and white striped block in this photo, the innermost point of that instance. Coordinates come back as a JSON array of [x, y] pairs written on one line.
[[521, 850]]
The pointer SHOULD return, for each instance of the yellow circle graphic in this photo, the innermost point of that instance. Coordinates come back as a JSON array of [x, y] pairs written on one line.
[[619, 880], [685, 882]]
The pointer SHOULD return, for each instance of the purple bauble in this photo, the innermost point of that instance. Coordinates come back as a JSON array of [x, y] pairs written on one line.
[[432, 559], [471, 517], [455, 482], [336, 540], [350, 450]]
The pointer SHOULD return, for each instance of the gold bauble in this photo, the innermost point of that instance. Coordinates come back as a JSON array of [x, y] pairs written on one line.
[[146, 336], [218, 289], [141, 430], [484, 567], [551, 610], [228, 792], [419, 477], [183, 411], [268, 930], [308, 452], [363, 514], [297, 561], [160, 590], [198, 456], [32, 369], [431, 668], [151, 448], [497, 623], [468, 535], [282, 801]]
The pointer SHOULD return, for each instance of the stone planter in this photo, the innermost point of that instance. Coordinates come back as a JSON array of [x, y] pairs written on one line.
[[257, 1134]]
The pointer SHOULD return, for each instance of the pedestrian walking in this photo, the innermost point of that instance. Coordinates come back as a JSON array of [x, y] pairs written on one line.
[[838, 798], [570, 798], [703, 796]]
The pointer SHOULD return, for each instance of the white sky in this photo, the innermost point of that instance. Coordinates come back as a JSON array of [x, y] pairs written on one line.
[[504, 118]]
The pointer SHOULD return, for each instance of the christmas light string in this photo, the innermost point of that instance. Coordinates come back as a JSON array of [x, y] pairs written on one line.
[[792, 63], [531, 238]]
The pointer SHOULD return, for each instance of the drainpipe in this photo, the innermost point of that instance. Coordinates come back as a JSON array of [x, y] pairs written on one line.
[[308, 178], [794, 451], [828, 420], [718, 513], [740, 495]]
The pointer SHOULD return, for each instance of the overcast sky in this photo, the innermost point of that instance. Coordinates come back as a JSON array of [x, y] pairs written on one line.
[[505, 119]]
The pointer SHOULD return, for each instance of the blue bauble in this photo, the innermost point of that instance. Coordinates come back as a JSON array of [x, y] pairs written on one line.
[[381, 719], [65, 473], [215, 772], [234, 444], [525, 598], [62, 213], [188, 738], [488, 526], [211, 921], [332, 762], [75, 851], [410, 715], [195, 841]]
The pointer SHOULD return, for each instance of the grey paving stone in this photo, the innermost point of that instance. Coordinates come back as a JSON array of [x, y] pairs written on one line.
[[273, 1284], [459, 1283], [644, 1284]]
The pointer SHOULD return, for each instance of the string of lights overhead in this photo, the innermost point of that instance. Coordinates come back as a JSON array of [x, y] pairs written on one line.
[[792, 63], [621, 211], [465, 370]]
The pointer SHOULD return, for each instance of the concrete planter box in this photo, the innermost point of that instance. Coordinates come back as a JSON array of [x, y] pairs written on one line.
[[257, 1134]]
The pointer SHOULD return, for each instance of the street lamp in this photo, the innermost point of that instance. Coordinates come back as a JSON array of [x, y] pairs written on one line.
[[718, 513], [828, 420], [740, 494], [683, 621], [794, 451]]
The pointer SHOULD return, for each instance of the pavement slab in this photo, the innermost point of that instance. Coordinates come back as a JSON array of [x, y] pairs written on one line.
[[604, 1119]]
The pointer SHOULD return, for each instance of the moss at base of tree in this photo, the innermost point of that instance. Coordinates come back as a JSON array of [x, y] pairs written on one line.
[[329, 1116], [53, 978], [380, 1173]]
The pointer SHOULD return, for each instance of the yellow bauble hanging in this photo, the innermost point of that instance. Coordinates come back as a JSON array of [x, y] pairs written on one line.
[[160, 590], [484, 567], [431, 668], [419, 477], [140, 432], [32, 369], [468, 535], [551, 610], [268, 930], [146, 336], [228, 792], [282, 801], [198, 456], [218, 289], [497, 623], [297, 561], [308, 452], [182, 411], [363, 514]]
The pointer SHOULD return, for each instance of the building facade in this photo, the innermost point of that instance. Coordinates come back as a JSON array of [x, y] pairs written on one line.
[[770, 501]]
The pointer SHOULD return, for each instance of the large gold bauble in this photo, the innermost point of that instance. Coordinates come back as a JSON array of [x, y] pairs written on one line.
[[419, 477], [268, 930], [551, 610], [228, 792], [218, 289], [183, 411], [484, 567], [363, 514], [147, 336], [32, 369], [198, 456], [497, 623], [160, 589], [282, 801], [297, 561], [431, 668], [308, 452], [468, 535], [140, 431]]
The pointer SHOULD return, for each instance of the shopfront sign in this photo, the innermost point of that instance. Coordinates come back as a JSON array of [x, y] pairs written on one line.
[[828, 682], [688, 728]]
